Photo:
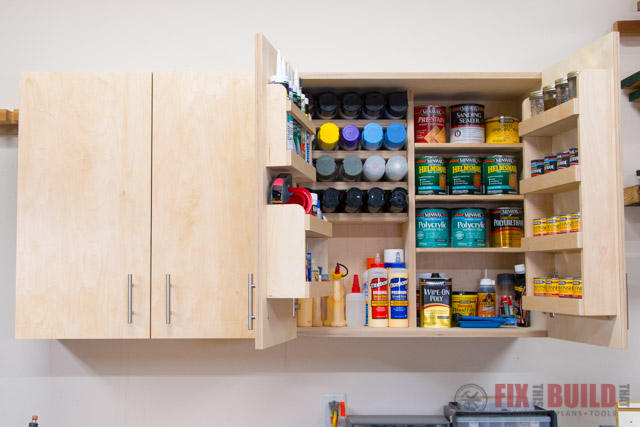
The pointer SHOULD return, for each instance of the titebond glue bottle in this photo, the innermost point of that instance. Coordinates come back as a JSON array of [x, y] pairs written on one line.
[[378, 295], [398, 304]]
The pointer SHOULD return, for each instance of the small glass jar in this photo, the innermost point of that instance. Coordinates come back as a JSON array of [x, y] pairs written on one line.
[[549, 96], [573, 84], [536, 101], [562, 90]]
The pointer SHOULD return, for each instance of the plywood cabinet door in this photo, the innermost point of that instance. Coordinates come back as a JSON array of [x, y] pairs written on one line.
[[84, 195], [204, 233]]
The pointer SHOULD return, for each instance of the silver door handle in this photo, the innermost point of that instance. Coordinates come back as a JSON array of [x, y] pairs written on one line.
[[130, 314], [168, 286], [251, 287]]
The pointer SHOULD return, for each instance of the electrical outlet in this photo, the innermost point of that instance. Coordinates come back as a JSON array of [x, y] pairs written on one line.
[[326, 410]]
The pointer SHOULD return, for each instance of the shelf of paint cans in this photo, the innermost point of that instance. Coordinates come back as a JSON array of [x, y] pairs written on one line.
[[552, 122], [470, 198], [487, 250], [369, 218], [552, 183], [415, 332], [448, 148], [300, 170], [363, 154], [359, 123], [568, 242], [315, 227], [9, 122]]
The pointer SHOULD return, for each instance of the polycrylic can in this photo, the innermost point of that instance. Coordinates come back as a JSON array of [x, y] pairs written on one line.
[[507, 227], [537, 227], [464, 175], [536, 167], [435, 301], [565, 287], [467, 123], [463, 303], [431, 175], [563, 224], [502, 129], [539, 286], [468, 228], [574, 225], [432, 228], [430, 124], [551, 286], [500, 175], [577, 287]]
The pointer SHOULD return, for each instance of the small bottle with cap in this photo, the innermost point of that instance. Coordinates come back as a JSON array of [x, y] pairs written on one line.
[[486, 297], [356, 306], [34, 421]]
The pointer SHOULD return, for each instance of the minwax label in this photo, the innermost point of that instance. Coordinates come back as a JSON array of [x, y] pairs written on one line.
[[398, 303]]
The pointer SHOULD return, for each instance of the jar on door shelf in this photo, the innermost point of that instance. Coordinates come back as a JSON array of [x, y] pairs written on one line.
[[550, 97], [562, 90], [536, 102]]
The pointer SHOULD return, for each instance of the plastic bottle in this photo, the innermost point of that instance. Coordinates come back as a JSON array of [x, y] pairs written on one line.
[[337, 279], [520, 289], [378, 295], [326, 168], [34, 421], [486, 297], [396, 168], [372, 136], [350, 106], [505, 294], [350, 169], [374, 168], [398, 290], [395, 135], [356, 308]]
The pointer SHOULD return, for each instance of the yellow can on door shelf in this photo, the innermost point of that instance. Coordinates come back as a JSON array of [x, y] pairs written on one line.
[[577, 287], [539, 286], [537, 227], [502, 130]]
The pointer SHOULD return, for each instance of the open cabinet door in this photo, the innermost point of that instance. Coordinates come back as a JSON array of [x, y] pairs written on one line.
[[275, 317], [594, 189]]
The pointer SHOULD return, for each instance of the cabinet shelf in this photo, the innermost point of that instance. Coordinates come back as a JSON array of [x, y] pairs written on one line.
[[570, 306], [446, 198], [568, 242], [347, 218], [315, 227], [300, 170], [318, 289], [363, 154], [470, 250], [552, 183], [363, 185], [553, 122], [9, 122], [447, 148], [359, 123], [366, 332], [299, 116]]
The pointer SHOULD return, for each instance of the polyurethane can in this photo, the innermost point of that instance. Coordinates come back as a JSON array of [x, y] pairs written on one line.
[[467, 123], [577, 287], [430, 124], [507, 227], [537, 166], [500, 175], [431, 175], [563, 225], [464, 175], [551, 286], [468, 228], [539, 286], [552, 225], [574, 225], [537, 227], [463, 303], [565, 287], [432, 228], [502, 129], [435, 302]]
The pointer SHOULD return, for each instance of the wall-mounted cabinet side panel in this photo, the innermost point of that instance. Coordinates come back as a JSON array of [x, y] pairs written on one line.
[[84, 192], [204, 203]]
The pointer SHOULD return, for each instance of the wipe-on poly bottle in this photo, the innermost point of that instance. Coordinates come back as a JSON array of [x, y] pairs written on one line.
[[355, 305], [378, 295]]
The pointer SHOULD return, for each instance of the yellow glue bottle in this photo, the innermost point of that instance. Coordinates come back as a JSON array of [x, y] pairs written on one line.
[[338, 298]]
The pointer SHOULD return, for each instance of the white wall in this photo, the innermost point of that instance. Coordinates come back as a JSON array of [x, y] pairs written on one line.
[[181, 383]]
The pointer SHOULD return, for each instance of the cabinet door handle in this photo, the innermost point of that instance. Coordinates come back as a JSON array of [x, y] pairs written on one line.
[[168, 305], [251, 287], [130, 311]]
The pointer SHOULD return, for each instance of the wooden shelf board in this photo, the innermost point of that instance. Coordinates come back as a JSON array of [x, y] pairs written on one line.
[[300, 117], [469, 250], [450, 198], [347, 218], [363, 154], [552, 183], [627, 28], [359, 123], [9, 122], [315, 227], [8, 129], [567, 242], [570, 306], [300, 170], [363, 185], [553, 122], [366, 332], [457, 148], [318, 289], [632, 196]]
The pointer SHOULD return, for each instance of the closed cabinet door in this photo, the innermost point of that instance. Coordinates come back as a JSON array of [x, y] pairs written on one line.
[[204, 204], [84, 214]]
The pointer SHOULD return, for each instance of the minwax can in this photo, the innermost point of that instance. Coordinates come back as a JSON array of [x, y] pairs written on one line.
[[432, 228], [500, 175], [468, 228], [463, 303], [467, 123], [552, 285], [537, 227], [430, 123], [435, 301], [577, 287], [507, 227], [502, 129], [565, 287], [539, 286], [431, 175], [464, 175]]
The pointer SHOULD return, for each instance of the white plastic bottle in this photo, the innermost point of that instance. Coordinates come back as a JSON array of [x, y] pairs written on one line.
[[398, 283], [378, 295], [355, 305]]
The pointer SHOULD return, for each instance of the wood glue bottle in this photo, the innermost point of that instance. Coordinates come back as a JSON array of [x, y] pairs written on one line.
[[378, 295]]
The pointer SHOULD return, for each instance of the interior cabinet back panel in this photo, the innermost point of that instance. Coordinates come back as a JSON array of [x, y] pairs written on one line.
[[84, 193]]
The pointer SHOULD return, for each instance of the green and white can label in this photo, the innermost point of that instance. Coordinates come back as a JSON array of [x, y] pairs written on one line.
[[432, 228], [468, 228]]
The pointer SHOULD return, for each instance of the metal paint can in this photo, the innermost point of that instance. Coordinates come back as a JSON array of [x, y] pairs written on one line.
[[563, 160], [565, 287], [550, 164], [577, 287], [431, 175], [537, 227], [435, 301], [551, 288], [430, 123], [432, 228], [536, 167], [468, 228], [507, 227], [500, 175], [467, 123], [502, 130], [573, 157], [464, 175], [543, 224], [539, 286], [563, 224], [574, 225], [552, 225], [463, 303]]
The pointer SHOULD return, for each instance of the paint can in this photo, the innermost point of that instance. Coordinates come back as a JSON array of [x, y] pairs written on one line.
[[565, 287], [551, 286], [435, 300], [464, 175], [574, 224], [539, 286], [432, 228], [536, 167], [463, 303], [502, 130], [431, 175], [507, 227], [550, 164], [564, 224], [573, 157], [500, 175], [467, 123], [468, 228], [577, 287], [537, 227], [552, 225], [563, 160], [430, 122]]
